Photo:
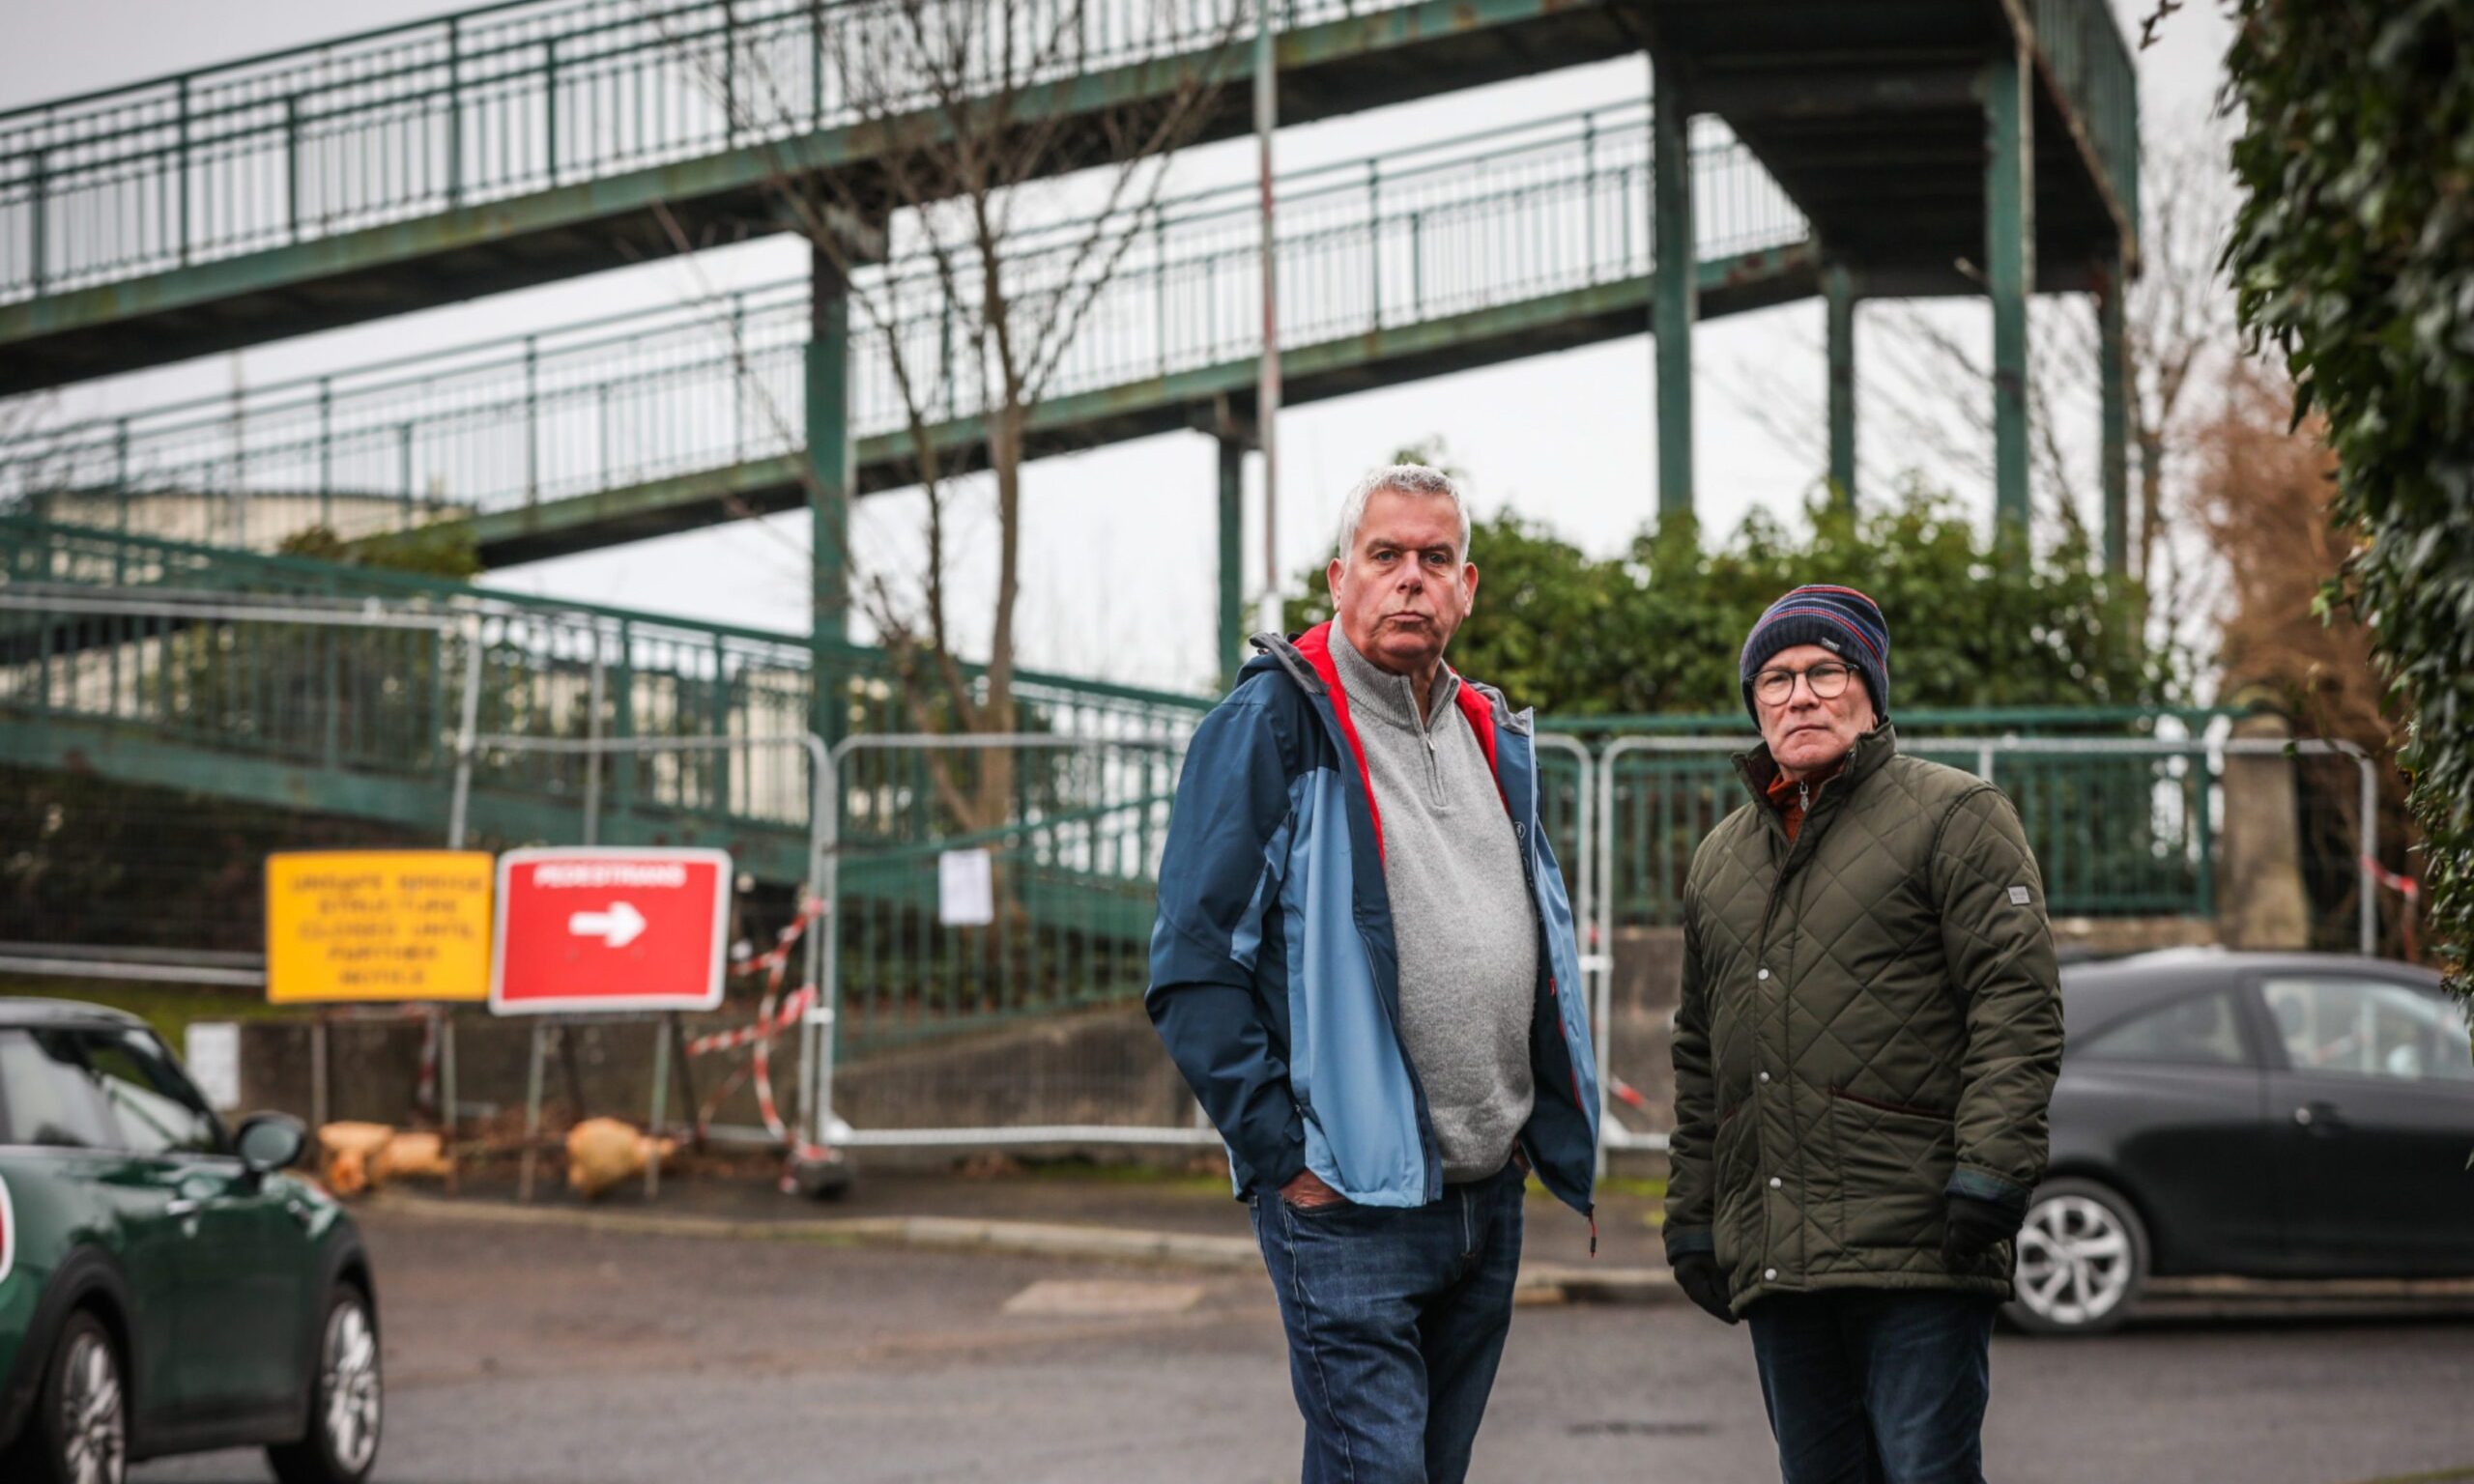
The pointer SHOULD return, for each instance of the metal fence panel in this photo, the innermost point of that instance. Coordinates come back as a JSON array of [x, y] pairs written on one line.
[[1069, 833]]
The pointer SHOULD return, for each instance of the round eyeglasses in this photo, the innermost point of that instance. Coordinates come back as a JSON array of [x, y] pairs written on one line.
[[1829, 680]]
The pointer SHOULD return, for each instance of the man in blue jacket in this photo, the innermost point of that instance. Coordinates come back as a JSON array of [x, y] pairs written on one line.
[[1364, 966]]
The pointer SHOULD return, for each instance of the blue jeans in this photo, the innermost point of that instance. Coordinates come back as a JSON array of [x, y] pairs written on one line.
[[1396, 1321], [1875, 1386]]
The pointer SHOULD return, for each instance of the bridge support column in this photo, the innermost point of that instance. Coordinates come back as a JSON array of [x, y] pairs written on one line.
[[1231, 627], [1675, 294], [2113, 379], [1838, 293], [2010, 276], [830, 476]]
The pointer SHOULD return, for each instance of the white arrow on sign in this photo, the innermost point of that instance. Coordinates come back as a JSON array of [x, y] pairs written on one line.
[[619, 926]]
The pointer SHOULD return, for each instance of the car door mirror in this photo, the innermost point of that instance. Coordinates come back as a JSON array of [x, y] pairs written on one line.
[[269, 1142]]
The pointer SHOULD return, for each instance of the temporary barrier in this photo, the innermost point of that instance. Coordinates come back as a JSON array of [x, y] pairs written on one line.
[[2122, 827], [971, 913], [670, 767], [976, 885]]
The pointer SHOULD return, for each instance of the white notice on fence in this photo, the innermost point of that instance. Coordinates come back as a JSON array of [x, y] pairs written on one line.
[[213, 1054], [965, 889]]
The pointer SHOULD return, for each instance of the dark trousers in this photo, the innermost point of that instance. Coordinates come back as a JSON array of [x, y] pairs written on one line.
[[1875, 1386], [1396, 1321]]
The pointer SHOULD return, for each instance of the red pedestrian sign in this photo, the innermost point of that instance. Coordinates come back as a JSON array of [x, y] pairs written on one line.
[[597, 930]]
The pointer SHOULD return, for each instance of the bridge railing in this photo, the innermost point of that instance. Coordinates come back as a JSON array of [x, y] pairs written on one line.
[[482, 105], [1456, 227], [2082, 44], [164, 655]]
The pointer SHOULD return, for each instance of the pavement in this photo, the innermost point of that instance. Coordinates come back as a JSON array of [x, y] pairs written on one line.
[[756, 1336], [1064, 1211], [1072, 1209]]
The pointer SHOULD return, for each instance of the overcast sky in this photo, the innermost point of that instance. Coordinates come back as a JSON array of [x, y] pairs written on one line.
[[1118, 555]]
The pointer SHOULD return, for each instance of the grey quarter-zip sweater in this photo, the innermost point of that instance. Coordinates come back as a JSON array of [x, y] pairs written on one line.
[[1461, 911]]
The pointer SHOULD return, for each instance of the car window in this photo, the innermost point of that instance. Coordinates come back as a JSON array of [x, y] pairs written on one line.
[[45, 1095], [2369, 1028], [152, 1101], [2200, 1028]]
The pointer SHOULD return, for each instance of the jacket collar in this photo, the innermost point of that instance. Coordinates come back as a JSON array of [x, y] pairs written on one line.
[[1306, 660], [1757, 768], [1309, 661], [1380, 695]]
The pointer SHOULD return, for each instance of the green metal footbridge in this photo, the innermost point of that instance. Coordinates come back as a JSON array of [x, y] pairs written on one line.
[[1924, 147], [1510, 243], [1789, 149]]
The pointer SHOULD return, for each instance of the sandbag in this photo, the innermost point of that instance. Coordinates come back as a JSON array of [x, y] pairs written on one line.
[[602, 1151], [344, 1152]]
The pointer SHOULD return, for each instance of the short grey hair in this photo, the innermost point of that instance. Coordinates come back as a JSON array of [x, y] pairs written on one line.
[[1406, 479]]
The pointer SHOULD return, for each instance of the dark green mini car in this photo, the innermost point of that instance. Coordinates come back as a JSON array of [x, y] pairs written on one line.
[[164, 1287]]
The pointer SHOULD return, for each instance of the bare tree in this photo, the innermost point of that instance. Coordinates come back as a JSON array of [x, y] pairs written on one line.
[[976, 241], [2260, 499]]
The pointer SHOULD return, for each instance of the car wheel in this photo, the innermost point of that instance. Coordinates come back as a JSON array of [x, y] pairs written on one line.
[[79, 1430], [2083, 1259], [346, 1400]]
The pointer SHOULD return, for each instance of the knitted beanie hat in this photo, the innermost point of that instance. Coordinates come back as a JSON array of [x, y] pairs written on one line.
[[1841, 620]]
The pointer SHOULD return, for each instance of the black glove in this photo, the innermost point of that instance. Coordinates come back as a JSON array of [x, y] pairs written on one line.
[[1697, 1275], [1971, 1229]]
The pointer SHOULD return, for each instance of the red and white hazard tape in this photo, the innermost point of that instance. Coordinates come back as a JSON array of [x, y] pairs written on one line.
[[425, 1086], [774, 1017], [759, 1030], [2402, 885]]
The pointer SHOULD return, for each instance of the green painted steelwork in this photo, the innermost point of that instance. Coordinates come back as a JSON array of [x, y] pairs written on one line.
[[278, 711], [1838, 296], [2010, 277], [1308, 373], [1075, 884], [665, 674], [1676, 238], [1231, 625], [489, 105], [537, 652], [2113, 411], [2114, 836], [204, 672], [1926, 722], [831, 468], [2079, 46], [645, 412], [500, 102], [588, 199]]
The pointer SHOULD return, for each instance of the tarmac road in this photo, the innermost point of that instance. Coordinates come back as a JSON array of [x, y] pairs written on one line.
[[542, 1354]]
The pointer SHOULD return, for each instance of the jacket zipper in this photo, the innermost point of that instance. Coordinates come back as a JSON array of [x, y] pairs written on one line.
[[1768, 921], [1431, 1148], [1554, 992]]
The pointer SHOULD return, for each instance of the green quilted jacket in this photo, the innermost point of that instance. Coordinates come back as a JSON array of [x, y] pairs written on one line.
[[1870, 1020]]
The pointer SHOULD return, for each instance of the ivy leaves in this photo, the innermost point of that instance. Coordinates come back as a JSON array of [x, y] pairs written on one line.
[[2354, 256]]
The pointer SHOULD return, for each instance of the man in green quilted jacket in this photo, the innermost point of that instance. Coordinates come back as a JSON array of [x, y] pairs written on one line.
[[1870, 1026]]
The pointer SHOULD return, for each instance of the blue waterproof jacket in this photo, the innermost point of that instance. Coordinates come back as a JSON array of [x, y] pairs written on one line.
[[1274, 976]]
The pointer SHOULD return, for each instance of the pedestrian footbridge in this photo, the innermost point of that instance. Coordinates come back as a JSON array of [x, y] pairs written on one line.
[[1513, 243], [152, 636]]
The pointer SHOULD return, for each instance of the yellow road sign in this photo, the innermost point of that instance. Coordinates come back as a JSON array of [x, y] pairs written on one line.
[[351, 925]]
